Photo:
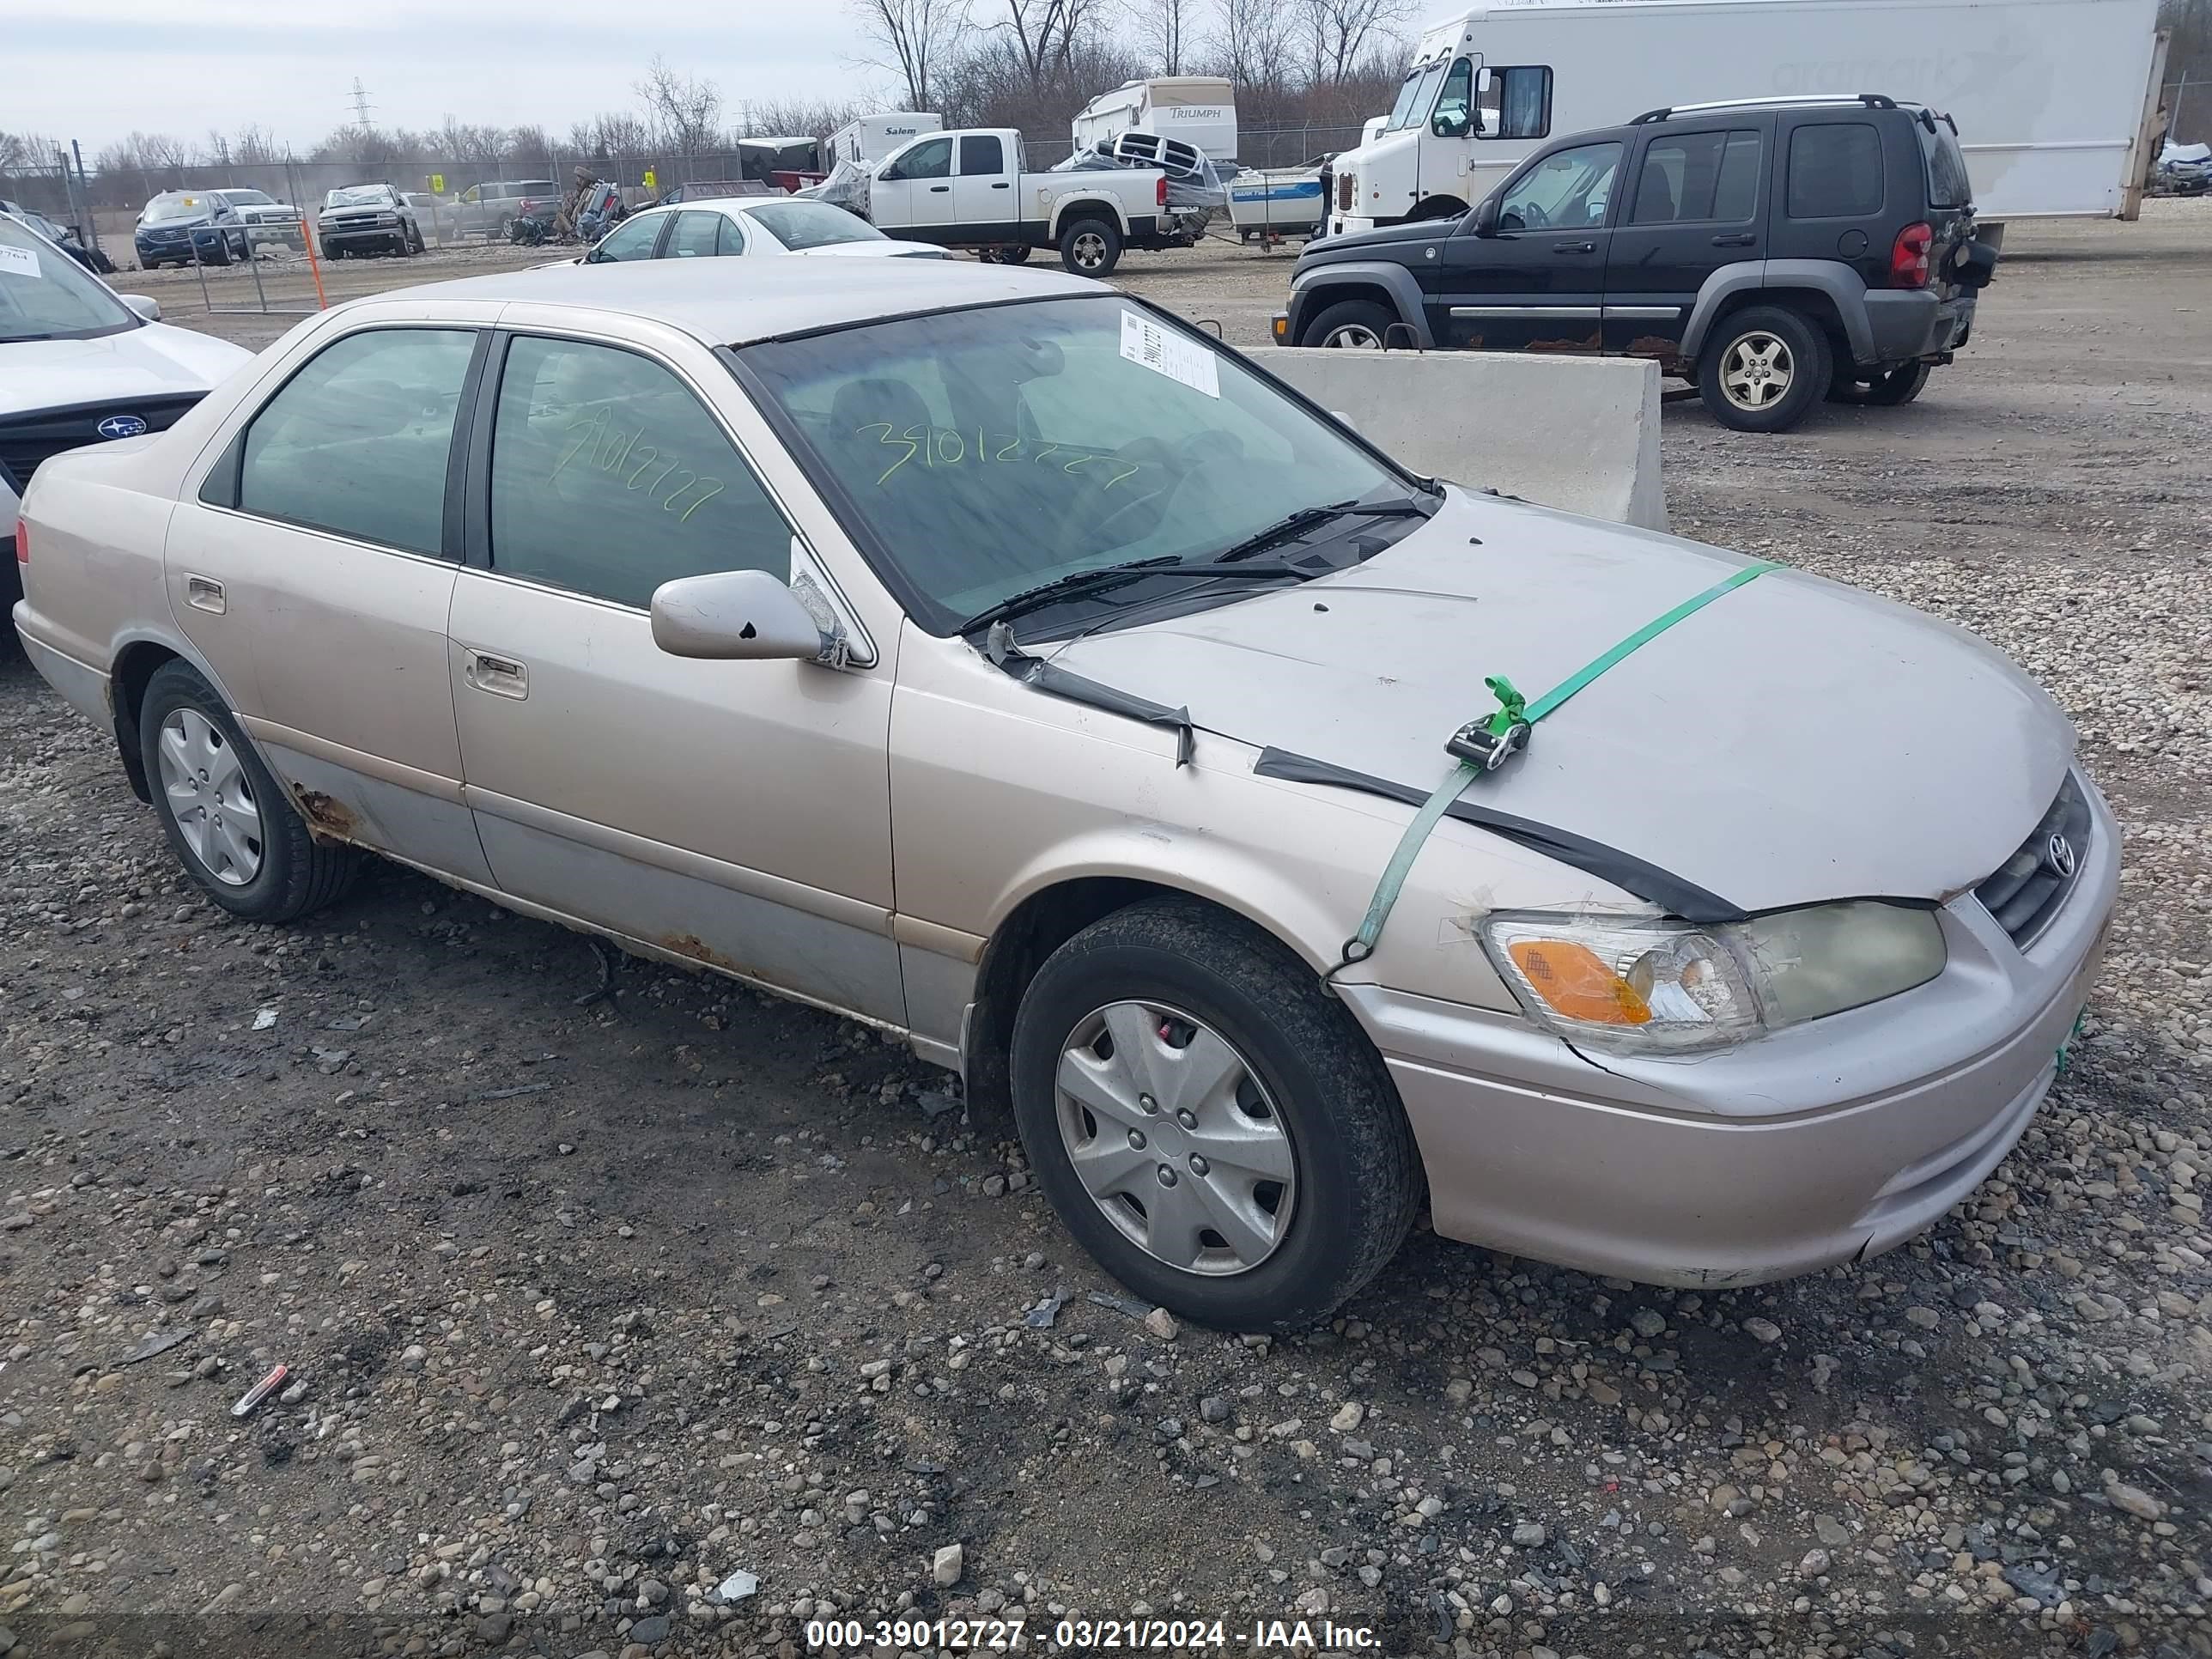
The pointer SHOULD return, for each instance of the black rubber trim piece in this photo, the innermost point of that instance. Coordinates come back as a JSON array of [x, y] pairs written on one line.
[[1678, 897], [1041, 676]]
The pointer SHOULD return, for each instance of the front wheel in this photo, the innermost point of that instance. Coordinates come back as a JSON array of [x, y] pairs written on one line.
[[1763, 367], [1351, 325], [1090, 247], [226, 817], [1210, 1124]]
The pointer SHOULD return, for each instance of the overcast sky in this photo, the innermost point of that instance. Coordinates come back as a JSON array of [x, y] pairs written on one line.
[[95, 69]]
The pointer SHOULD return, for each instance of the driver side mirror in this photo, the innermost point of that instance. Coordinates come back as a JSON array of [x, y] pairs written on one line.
[[145, 305], [1486, 218], [735, 615]]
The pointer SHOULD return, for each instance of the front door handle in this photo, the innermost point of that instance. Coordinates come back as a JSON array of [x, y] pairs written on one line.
[[938, 190], [1745, 240], [1002, 185], [1574, 247], [502, 676], [202, 593]]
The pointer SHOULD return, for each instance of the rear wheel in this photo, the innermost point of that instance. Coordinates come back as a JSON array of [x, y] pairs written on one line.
[[1898, 386], [1090, 247], [1209, 1123], [1351, 325], [1763, 367], [227, 818]]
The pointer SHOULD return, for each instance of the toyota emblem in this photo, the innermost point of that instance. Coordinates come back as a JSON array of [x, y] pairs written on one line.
[[2058, 857], [121, 426]]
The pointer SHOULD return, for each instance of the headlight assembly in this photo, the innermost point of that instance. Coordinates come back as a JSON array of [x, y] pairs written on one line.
[[1672, 988]]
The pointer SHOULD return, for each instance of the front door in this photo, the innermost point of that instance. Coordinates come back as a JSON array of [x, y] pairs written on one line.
[[735, 813], [983, 190], [312, 571], [914, 191], [1695, 205], [1538, 283]]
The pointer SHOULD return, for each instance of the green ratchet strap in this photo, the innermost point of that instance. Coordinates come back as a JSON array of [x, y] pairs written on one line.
[[1486, 744]]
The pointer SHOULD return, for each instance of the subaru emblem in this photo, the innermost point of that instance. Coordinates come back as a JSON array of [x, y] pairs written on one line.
[[2058, 857], [121, 426]]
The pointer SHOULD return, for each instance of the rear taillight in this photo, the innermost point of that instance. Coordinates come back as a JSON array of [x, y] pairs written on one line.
[[1908, 256], [1160, 191], [22, 541]]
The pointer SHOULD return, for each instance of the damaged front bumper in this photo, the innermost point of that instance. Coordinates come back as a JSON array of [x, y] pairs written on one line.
[[1819, 1144]]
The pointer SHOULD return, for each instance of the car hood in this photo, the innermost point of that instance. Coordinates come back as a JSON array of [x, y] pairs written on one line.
[[1796, 740], [153, 361]]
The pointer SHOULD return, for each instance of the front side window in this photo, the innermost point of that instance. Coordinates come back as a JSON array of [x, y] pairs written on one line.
[[608, 477], [1518, 103], [1455, 103], [632, 240], [357, 441], [814, 224], [930, 159], [987, 452], [1835, 171], [1569, 188], [46, 295]]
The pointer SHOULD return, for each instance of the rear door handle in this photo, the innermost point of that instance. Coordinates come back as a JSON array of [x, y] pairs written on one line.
[[203, 595], [1744, 240], [1574, 247], [502, 676]]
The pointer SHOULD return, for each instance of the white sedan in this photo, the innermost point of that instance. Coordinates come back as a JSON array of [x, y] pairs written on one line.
[[749, 225]]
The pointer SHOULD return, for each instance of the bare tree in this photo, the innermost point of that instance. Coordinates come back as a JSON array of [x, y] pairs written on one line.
[[1044, 34], [1165, 30], [256, 146], [26, 150], [684, 110], [912, 37], [159, 151], [217, 150], [1253, 43], [1341, 33]]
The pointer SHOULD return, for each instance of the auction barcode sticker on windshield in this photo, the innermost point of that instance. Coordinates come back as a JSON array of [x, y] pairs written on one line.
[[1163, 351], [21, 262]]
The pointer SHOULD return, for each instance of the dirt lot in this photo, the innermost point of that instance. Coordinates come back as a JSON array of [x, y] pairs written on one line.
[[587, 1307]]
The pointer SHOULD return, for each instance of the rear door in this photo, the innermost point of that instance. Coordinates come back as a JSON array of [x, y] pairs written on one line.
[[1695, 203], [983, 188], [1539, 283]]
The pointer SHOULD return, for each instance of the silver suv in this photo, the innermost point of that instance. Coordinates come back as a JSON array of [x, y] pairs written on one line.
[[491, 209]]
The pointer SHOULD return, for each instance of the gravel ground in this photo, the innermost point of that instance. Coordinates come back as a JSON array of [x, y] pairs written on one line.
[[587, 1309]]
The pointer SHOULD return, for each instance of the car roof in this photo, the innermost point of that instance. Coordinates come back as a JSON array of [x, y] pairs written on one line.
[[737, 301]]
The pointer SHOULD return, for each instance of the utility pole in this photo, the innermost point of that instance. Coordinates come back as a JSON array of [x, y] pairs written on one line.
[[360, 104]]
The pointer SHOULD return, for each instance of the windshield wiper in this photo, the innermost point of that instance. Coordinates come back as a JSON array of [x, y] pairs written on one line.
[[1114, 575], [1311, 518]]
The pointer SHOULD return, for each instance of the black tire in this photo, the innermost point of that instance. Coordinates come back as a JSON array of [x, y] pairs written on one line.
[[1351, 326], [220, 255], [1803, 353], [1016, 253], [1090, 247], [329, 253], [297, 873], [1357, 1174], [1899, 386], [415, 244]]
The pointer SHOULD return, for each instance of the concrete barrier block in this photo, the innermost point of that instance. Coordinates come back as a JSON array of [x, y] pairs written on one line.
[[1581, 433]]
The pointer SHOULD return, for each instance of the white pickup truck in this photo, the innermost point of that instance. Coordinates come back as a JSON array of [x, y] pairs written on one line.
[[969, 189]]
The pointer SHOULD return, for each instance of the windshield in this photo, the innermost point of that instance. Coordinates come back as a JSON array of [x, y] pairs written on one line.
[[359, 195], [46, 295], [245, 197], [174, 207], [987, 452], [813, 224], [1413, 97]]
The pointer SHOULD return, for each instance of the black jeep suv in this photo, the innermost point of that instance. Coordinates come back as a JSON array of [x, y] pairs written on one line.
[[1772, 251]]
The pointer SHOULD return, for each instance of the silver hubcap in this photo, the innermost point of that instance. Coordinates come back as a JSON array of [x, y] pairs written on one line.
[[1353, 336], [1090, 250], [1175, 1139], [1757, 372], [209, 797]]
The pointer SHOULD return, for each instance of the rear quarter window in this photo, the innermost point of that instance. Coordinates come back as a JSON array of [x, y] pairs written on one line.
[[1835, 171]]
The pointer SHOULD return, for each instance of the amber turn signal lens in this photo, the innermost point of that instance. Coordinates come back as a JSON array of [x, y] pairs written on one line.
[[1577, 984]]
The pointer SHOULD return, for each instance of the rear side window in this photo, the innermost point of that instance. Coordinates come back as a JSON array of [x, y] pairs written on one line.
[[980, 153], [1518, 103], [696, 236], [608, 477], [1835, 171], [1948, 187], [1698, 177], [357, 441]]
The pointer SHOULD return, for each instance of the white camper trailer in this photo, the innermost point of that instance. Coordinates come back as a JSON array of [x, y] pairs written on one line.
[[871, 138], [1201, 110], [2053, 98]]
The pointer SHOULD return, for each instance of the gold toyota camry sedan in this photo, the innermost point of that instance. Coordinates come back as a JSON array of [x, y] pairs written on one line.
[[1292, 842]]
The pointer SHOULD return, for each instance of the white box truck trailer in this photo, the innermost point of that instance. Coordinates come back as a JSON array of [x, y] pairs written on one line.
[[871, 138], [2054, 99], [1199, 110]]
